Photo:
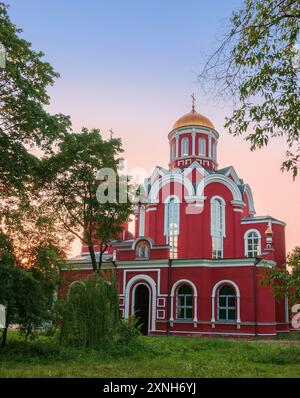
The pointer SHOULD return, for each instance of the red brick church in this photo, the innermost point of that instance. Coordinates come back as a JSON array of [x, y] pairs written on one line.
[[194, 264]]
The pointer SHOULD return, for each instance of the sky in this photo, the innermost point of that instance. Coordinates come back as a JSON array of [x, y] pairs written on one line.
[[131, 65]]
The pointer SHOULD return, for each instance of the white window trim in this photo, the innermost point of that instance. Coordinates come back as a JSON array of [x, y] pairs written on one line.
[[185, 142], [223, 203], [246, 235], [142, 221], [167, 201], [227, 307], [238, 297], [195, 296], [141, 278], [200, 152], [212, 228]]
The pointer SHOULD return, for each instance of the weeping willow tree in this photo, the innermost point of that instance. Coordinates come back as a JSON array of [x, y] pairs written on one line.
[[91, 314]]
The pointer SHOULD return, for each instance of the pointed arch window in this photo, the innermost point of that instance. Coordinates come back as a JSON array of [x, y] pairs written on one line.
[[252, 243], [172, 217], [217, 226], [185, 147], [202, 147]]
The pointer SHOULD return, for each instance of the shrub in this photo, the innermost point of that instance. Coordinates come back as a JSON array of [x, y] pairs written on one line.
[[91, 314]]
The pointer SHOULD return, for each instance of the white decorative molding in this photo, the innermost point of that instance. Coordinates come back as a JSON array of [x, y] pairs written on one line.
[[213, 295], [195, 295], [151, 209], [219, 178], [263, 221], [199, 130], [161, 302], [150, 241], [168, 179], [121, 301], [148, 281], [161, 314], [248, 192], [246, 235]]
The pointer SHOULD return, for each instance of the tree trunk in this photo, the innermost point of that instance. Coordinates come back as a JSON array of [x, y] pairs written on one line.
[[93, 257], [28, 331], [4, 335], [103, 248]]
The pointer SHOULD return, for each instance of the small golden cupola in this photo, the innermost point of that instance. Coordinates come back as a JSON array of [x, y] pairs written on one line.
[[269, 231], [269, 237], [193, 138]]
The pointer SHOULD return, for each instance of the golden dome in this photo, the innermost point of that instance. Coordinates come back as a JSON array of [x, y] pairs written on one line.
[[193, 118]]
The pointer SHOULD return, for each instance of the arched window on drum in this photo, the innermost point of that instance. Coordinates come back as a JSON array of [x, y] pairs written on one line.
[[185, 147]]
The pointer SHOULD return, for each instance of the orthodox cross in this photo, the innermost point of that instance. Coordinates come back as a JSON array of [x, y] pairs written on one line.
[[111, 133], [193, 102]]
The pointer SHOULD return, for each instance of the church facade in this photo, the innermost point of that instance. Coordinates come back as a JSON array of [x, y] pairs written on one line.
[[195, 262]]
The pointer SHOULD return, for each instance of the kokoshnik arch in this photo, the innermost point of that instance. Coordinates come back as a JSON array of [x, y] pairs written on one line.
[[195, 262]]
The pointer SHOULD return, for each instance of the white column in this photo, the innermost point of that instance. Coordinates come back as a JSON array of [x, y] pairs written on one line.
[[209, 147], [193, 142], [195, 310], [172, 309], [213, 311], [238, 310], [177, 145]]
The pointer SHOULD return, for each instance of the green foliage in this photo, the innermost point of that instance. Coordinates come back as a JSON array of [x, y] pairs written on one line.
[[23, 119], [32, 229], [91, 314], [152, 357], [23, 93], [72, 187], [286, 281], [255, 66], [27, 293], [129, 330]]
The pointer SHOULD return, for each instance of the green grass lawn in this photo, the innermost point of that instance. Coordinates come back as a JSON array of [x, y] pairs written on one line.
[[154, 357]]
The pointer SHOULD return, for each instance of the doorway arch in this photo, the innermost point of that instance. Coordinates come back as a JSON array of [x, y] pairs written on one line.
[[141, 306], [129, 297]]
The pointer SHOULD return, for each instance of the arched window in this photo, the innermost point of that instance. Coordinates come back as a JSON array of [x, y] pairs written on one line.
[[184, 302], [217, 226], [214, 150], [202, 147], [226, 303], [172, 151], [172, 225], [252, 243], [185, 147], [142, 221]]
